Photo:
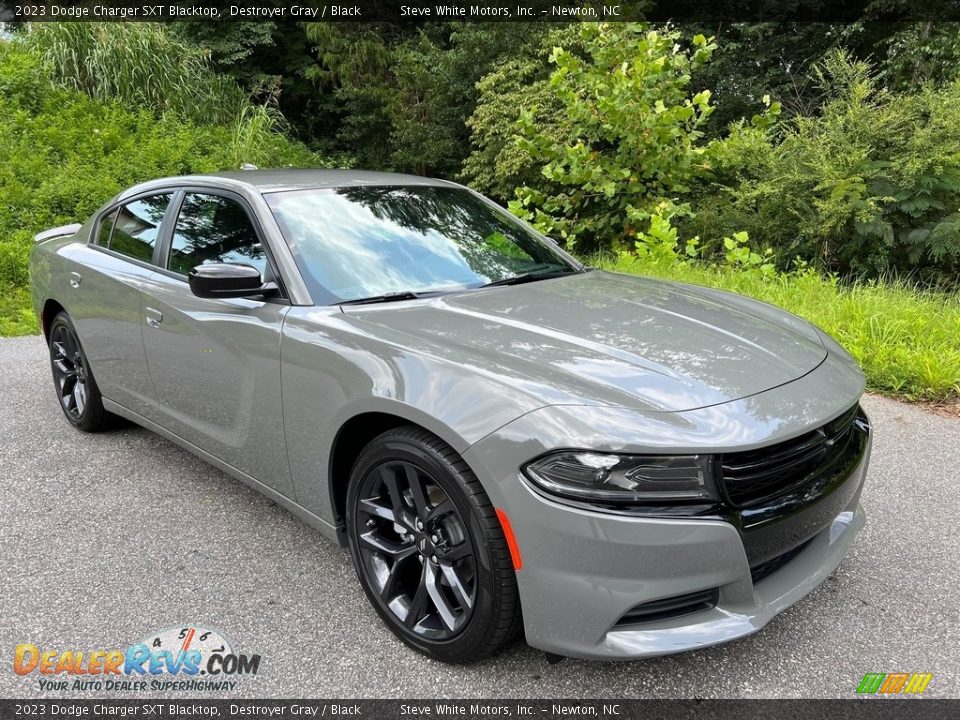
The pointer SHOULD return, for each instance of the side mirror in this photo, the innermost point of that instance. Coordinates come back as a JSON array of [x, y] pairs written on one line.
[[227, 280]]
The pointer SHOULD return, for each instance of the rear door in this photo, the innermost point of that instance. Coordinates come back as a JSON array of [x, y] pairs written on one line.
[[104, 299], [215, 363]]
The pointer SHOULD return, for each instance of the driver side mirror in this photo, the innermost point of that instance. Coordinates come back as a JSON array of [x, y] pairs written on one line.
[[227, 280]]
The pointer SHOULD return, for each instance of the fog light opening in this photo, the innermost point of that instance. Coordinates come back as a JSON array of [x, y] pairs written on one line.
[[671, 607]]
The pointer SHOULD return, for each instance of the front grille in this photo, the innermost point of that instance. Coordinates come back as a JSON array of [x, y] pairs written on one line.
[[766, 569], [671, 607], [755, 476]]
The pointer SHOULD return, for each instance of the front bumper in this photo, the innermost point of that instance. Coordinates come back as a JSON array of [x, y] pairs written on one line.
[[743, 608], [584, 570]]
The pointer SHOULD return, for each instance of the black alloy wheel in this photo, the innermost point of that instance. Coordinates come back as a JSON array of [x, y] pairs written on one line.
[[69, 372], [428, 548], [76, 388], [415, 550]]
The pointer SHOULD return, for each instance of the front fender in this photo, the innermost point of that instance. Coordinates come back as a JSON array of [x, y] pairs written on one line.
[[333, 371]]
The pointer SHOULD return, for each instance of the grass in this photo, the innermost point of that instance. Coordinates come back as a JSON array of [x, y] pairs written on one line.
[[139, 65], [16, 313], [907, 341]]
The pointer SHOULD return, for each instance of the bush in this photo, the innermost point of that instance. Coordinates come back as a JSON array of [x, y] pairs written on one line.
[[870, 187], [634, 140], [497, 164]]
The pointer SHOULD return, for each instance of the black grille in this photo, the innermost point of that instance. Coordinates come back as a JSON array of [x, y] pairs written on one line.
[[671, 607], [754, 476], [768, 568]]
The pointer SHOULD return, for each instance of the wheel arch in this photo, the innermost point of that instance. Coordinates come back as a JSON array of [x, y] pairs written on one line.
[[355, 433], [51, 308]]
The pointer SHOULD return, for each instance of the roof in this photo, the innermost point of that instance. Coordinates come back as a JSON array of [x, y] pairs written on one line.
[[301, 179], [267, 181]]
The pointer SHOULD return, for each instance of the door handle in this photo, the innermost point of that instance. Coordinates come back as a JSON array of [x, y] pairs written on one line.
[[154, 317], [75, 279]]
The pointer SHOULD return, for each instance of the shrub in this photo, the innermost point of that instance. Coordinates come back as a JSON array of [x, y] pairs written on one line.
[[868, 188], [634, 135], [497, 164]]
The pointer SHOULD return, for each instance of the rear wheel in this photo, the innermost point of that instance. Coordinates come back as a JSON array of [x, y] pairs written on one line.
[[428, 548], [76, 388]]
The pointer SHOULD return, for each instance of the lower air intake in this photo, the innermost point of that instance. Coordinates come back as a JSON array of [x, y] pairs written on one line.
[[671, 607]]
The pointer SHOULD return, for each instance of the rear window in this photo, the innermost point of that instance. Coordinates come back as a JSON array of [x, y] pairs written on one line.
[[137, 226], [106, 227]]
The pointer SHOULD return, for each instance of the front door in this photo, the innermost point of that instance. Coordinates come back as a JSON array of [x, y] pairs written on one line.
[[215, 363]]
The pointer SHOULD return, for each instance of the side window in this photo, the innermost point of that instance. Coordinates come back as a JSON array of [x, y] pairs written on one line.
[[137, 226], [106, 226], [212, 228]]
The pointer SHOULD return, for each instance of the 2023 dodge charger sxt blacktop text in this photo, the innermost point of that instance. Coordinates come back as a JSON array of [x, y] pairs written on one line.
[[643, 467]]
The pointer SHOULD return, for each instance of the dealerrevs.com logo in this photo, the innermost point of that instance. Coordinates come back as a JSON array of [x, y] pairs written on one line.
[[185, 658]]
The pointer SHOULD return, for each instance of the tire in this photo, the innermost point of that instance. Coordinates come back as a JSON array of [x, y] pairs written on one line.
[[447, 589], [76, 388]]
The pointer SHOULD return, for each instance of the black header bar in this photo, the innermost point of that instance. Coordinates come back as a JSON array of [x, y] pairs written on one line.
[[419, 11]]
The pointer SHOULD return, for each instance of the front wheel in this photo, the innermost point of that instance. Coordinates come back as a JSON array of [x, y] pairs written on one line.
[[76, 388], [428, 548]]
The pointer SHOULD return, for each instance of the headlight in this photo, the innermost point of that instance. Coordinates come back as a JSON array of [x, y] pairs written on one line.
[[623, 478]]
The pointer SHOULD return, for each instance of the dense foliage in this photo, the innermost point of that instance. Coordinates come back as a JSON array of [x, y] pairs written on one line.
[[604, 135], [497, 163], [869, 186]]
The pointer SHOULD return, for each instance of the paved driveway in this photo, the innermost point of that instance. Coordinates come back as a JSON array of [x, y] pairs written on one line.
[[107, 538]]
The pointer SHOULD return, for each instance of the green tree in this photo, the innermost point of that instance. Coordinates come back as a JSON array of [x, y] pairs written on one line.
[[497, 164], [923, 53], [635, 136], [437, 72], [246, 51], [353, 74], [397, 97], [766, 58]]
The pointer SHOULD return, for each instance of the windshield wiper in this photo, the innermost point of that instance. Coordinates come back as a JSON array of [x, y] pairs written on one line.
[[530, 277], [417, 295], [390, 297]]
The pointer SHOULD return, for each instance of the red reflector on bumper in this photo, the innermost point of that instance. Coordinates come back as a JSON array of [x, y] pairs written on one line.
[[511, 540]]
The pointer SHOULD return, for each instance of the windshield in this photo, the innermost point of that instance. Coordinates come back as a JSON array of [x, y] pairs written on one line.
[[360, 242]]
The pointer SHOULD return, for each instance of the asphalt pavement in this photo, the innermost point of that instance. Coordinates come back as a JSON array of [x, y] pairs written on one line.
[[105, 539]]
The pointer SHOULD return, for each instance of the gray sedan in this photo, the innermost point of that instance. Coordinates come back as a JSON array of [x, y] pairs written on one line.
[[505, 439]]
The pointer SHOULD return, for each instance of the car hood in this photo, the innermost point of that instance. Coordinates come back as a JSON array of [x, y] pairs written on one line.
[[600, 338]]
